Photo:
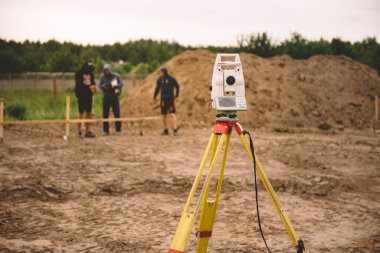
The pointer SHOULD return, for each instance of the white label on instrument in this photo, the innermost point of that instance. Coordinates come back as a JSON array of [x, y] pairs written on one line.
[[241, 102]]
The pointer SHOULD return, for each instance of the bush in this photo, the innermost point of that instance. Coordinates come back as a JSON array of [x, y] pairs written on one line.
[[16, 111], [141, 68]]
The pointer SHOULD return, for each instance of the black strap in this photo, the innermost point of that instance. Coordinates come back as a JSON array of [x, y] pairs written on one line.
[[301, 245], [256, 190]]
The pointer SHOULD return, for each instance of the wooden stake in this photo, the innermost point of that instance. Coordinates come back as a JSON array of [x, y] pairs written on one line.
[[1, 120], [141, 128], [376, 108], [54, 87], [67, 132], [133, 80], [376, 118]]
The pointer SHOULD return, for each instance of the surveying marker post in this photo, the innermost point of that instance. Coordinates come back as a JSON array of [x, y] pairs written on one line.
[[54, 87], [67, 130], [134, 79], [376, 119], [141, 127], [1, 120]]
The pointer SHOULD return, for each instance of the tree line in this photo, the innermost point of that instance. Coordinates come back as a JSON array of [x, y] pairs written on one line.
[[141, 56], [144, 56], [366, 51]]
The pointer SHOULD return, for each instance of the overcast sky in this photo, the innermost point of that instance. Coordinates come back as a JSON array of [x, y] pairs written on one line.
[[192, 22]]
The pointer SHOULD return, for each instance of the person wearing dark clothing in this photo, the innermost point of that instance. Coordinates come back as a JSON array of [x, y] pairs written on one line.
[[167, 84], [110, 83], [84, 90]]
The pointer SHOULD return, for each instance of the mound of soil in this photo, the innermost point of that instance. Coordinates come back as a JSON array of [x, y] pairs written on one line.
[[322, 92]]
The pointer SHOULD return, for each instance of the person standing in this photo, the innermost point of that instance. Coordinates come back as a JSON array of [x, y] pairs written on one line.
[[110, 83], [84, 90], [166, 84]]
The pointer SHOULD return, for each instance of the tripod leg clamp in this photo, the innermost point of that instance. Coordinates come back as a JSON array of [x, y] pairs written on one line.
[[300, 246], [175, 251], [203, 234]]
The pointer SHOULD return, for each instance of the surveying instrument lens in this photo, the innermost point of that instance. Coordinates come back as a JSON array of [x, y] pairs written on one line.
[[228, 97], [230, 80]]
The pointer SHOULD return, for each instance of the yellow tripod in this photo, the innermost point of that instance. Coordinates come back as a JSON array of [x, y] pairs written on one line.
[[208, 207]]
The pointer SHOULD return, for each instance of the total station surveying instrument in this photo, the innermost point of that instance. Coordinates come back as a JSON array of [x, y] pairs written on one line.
[[228, 97]]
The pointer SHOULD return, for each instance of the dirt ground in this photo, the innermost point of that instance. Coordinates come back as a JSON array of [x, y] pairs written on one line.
[[126, 193]]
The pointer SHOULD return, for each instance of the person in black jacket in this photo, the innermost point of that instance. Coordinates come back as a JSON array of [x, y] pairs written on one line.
[[84, 90], [166, 84], [111, 84]]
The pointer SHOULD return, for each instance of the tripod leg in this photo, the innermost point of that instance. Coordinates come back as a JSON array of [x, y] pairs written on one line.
[[209, 208], [272, 194], [187, 221], [205, 204], [214, 146], [212, 142]]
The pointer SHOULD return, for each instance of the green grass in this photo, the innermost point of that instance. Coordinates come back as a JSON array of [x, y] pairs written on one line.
[[39, 103]]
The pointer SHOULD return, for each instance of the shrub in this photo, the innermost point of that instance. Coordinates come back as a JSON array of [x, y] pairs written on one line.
[[16, 111]]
